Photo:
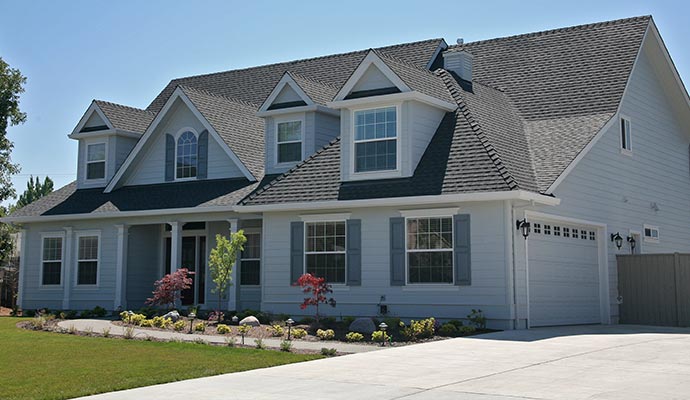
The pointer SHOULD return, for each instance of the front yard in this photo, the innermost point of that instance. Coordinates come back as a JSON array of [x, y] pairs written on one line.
[[44, 365]]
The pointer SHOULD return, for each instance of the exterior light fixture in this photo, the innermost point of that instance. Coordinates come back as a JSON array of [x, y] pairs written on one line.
[[523, 226], [382, 328], [191, 316], [235, 319], [617, 239], [631, 240], [289, 323]]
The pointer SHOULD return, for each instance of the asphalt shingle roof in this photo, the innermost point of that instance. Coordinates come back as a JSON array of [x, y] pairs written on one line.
[[417, 78], [126, 118], [321, 93]]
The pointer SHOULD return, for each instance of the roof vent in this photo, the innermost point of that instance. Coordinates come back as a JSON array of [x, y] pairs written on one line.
[[460, 41], [459, 62]]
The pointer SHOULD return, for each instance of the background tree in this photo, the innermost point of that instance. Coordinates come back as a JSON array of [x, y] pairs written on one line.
[[35, 190], [222, 259], [11, 86]]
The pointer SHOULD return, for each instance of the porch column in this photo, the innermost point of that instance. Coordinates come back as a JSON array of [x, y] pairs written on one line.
[[22, 268], [120, 300], [67, 267], [175, 246], [234, 291]]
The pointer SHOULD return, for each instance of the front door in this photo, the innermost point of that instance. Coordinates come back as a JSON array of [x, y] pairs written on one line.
[[194, 259]]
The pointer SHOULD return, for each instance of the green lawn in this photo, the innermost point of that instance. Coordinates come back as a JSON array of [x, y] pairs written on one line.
[[43, 365]]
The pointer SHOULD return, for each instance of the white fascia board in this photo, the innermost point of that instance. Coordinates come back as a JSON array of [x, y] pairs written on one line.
[[285, 80], [298, 109], [93, 108], [371, 58], [105, 132], [604, 129], [406, 201], [441, 46], [392, 98]]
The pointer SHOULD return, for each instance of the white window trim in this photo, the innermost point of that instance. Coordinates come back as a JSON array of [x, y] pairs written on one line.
[[177, 136], [278, 121], [325, 217], [627, 151], [398, 145], [252, 231], [48, 235], [304, 269], [87, 162], [75, 283], [650, 239], [407, 250]]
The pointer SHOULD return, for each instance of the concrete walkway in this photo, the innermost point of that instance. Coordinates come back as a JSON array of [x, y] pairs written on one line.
[[592, 362], [97, 326]]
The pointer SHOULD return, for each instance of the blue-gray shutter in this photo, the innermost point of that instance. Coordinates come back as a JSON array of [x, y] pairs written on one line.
[[397, 238], [354, 252], [202, 166], [296, 250], [169, 157], [462, 259]]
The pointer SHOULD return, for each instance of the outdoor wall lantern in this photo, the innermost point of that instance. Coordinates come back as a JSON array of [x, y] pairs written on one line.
[[617, 239], [289, 323], [235, 320], [523, 226], [382, 327], [632, 242]]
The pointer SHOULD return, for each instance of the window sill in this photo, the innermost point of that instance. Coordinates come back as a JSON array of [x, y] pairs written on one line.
[[85, 287], [627, 152], [50, 287], [340, 287], [651, 240], [440, 287]]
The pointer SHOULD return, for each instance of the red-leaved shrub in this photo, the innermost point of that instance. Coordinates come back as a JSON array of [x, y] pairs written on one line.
[[169, 288], [317, 289]]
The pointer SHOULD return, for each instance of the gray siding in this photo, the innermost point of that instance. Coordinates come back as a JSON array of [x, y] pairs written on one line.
[[619, 190], [144, 263]]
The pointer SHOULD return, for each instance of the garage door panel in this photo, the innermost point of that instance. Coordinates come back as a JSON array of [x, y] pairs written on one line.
[[563, 275]]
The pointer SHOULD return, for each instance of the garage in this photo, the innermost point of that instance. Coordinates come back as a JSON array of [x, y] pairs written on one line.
[[563, 274]]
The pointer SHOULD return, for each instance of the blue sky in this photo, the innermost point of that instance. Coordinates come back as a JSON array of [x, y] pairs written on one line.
[[127, 51]]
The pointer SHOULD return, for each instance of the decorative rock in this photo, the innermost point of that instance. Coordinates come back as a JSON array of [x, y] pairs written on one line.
[[363, 325], [250, 320], [173, 315]]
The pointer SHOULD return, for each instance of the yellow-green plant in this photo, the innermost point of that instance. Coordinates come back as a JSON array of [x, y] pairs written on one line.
[[299, 333], [275, 330], [223, 329], [327, 334], [419, 329], [147, 323], [161, 322], [221, 261], [380, 336], [179, 325], [200, 327], [354, 337]]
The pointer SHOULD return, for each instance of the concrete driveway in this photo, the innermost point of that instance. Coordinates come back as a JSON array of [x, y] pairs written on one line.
[[583, 362]]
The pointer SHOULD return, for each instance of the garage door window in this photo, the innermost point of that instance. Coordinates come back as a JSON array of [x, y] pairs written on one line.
[[430, 250]]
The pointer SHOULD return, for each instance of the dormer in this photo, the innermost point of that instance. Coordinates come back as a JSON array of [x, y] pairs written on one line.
[[389, 111], [296, 121], [106, 133]]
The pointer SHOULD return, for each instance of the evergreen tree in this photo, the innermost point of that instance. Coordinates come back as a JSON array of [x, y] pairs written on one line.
[[35, 190]]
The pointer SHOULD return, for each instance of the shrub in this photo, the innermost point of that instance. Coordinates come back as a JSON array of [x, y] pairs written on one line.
[[456, 322], [129, 333], [68, 314], [306, 321], [380, 336], [86, 314], [328, 322], [419, 329], [161, 322], [354, 337], [260, 344], [317, 290], [99, 312], [230, 341], [147, 323], [148, 311], [216, 316], [448, 329], [200, 327], [467, 330], [244, 329], [327, 334], [88, 331], [38, 323], [106, 332], [223, 329], [348, 320], [179, 325], [328, 352], [169, 288], [286, 346], [477, 318], [72, 330], [299, 333], [275, 330]]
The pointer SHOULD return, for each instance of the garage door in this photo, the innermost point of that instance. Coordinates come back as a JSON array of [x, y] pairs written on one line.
[[563, 274]]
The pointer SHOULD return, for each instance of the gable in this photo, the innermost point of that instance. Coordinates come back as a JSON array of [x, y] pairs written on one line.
[[373, 79], [94, 123], [287, 95], [149, 165]]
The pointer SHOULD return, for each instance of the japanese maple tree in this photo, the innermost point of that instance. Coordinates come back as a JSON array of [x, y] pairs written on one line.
[[317, 291], [169, 288]]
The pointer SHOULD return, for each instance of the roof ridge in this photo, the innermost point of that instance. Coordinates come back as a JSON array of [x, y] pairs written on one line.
[[219, 96], [285, 174], [304, 59], [306, 78], [456, 47], [404, 63], [123, 106], [451, 84]]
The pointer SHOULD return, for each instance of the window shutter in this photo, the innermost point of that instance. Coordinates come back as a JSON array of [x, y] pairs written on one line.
[[354, 252], [296, 250], [202, 167], [462, 259], [397, 237], [169, 157]]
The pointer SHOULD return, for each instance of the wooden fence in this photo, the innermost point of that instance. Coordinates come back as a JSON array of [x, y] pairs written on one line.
[[654, 289]]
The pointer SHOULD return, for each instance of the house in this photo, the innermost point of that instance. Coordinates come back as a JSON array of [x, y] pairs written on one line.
[[420, 179]]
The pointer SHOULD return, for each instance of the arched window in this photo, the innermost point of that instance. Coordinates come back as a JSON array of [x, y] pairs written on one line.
[[187, 155]]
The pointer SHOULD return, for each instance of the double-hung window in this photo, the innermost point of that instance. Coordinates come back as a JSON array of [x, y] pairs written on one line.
[[51, 265], [626, 146], [95, 161], [430, 250], [289, 139], [250, 260], [87, 261], [376, 140], [187, 155], [325, 250]]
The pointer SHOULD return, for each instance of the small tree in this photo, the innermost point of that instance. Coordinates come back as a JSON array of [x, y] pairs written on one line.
[[169, 288], [221, 261], [317, 289]]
